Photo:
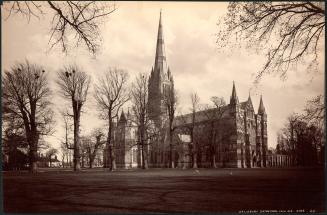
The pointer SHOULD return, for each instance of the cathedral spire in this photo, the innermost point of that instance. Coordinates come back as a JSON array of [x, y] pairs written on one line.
[[261, 109], [160, 63], [122, 117], [249, 98], [233, 98], [250, 105]]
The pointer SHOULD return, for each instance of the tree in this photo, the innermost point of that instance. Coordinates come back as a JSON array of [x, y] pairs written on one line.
[[287, 32], [195, 99], [51, 152], [26, 98], [303, 135], [93, 146], [213, 114], [74, 84], [13, 139], [145, 127], [81, 18], [170, 102], [66, 146], [66, 155], [314, 115], [314, 111], [111, 94]]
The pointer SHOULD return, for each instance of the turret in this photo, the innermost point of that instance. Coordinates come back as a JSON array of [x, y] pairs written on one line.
[[233, 102], [261, 110], [122, 118], [264, 138], [250, 104], [233, 98]]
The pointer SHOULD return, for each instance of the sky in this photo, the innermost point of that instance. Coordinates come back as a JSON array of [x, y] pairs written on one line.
[[197, 64]]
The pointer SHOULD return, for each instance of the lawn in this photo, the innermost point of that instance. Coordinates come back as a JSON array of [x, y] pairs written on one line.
[[165, 190]]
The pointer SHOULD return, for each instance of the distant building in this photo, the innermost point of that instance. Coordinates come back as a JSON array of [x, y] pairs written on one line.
[[48, 161]]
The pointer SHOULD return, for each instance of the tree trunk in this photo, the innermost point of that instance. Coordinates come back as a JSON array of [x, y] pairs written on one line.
[[195, 163], [172, 161], [91, 159], [194, 156], [91, 163], [106, 155], [83, 160], [144, 157], [77, 165], [212, 146], [110, 143], [113, 166], [33, 153], [33, 160], [214, 165]]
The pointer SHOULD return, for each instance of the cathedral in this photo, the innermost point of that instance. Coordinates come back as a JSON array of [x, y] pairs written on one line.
[[231, 136]]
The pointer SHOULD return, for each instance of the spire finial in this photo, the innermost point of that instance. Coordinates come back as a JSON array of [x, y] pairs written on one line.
[[233, 98], [261, 109], [160, 17], [160, 63], [122, 116]]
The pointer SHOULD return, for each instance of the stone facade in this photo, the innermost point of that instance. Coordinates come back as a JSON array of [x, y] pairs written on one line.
[[126, 151], [237, 138]]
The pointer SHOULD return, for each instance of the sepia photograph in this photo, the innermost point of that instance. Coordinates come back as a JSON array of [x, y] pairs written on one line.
[[135, 107]]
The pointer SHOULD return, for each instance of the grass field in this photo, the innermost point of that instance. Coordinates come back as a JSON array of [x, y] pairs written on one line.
[[165, 190]]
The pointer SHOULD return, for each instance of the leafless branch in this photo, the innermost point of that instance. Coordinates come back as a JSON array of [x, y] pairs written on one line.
[[287, 32], [79, 18]]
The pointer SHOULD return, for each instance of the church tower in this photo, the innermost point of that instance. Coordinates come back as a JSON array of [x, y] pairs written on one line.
[[160, 81], [263, 130]]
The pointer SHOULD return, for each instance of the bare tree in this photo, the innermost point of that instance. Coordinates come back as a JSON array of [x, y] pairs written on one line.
[[303, 134], [93, 146], [287, 32], [26, 97], [170, 102], [111, 94], [65, 155], [184, 129], [67, 127], [66, 146], [81, 18], [314, 112], [139, 96], [13, 137], [195, 99], [214, 114], [74, 85], [51, 152], [314, 115]]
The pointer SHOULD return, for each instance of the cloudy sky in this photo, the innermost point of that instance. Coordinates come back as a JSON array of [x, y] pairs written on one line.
[[129, 40]]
